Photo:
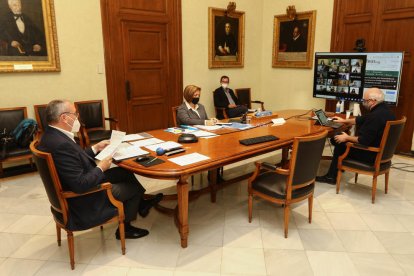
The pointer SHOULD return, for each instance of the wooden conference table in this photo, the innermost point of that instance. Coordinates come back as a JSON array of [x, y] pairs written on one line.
[[222, 150]]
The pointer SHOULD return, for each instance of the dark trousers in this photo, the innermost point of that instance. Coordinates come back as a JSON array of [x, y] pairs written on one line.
[[356, 154], [126, 188], [237, 111]]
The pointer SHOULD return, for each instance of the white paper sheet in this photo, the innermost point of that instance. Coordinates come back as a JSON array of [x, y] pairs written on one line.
[[202, 133], [166, 145], [189, 159], [126, 151], [114, 142], [208, 127], [132, 137], [146, 142]]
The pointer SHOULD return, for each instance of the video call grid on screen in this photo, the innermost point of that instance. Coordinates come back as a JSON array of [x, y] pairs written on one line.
[[347, 75]]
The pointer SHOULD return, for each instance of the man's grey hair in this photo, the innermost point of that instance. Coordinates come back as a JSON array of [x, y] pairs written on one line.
[[54, 109], [12, 1], [376, 94]]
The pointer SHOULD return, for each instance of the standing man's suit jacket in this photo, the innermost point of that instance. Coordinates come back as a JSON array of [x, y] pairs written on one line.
[[220, 98], [78, 173]]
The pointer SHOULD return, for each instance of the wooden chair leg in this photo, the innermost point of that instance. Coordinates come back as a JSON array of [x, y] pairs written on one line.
[[1, 168], [356, 177], [387, 176], [287, 212], [71, 246], [31, 162], [250, 207], [310, 206], [374, 188], [338, 181], [122, 236], [58, 235], [101, 227]]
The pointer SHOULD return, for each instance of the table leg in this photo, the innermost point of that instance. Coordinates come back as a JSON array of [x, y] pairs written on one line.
[[182, 200], [285, 157], [212, 182]]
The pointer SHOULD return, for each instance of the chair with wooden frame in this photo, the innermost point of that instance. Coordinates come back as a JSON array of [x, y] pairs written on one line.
[[9, 119], [244, 96], [287, 186], [174, 115], [58, 199], [382, 164], [40, 113], [92, 118]]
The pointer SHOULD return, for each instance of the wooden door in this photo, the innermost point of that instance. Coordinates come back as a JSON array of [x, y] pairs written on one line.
[[386, 25], [143, 61]]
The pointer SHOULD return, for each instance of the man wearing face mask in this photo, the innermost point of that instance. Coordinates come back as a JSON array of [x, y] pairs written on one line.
[[191, 112], [79, 173], [224, 97], [370, 128]]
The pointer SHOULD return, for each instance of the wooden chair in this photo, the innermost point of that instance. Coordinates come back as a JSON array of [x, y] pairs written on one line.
[[244, 96], [9, 119], [40, 113], [59, 201], [92, 118], [287, 186], [174, 115], [385, 152]]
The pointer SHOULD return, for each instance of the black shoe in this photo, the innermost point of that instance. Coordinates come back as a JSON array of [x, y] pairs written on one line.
[[132, 233], [326, 179], [146, 205]]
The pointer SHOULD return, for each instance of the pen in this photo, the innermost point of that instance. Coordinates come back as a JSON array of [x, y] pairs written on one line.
[[152, 160]]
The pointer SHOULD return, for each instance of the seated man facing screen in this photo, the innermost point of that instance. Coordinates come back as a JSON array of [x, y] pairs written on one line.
[[370, 128], [190, 112], [224, 97], [79, 173]]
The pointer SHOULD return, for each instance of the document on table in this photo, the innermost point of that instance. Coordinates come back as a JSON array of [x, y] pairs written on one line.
[[114, 142], [208, 127], [204, 134], [166, 145], [136, 136], [146, 142], [126, 151], [189, 159]]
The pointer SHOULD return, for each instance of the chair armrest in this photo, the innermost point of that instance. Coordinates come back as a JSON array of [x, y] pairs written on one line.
[[274, 168], [259, 102], [101, 187], [363, 147], [113, 122]]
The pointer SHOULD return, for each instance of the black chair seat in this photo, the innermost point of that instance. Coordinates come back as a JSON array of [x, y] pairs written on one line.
[[274, 185], [13, 150], [96, 136], [364, 166]]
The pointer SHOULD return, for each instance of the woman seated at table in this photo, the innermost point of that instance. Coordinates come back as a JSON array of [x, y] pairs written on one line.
[[190, 112]]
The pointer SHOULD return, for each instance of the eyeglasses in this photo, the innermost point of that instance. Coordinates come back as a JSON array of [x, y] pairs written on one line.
[[367, 100], [73, 113]]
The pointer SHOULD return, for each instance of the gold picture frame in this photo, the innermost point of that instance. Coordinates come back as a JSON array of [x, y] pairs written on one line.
[[226, 39], [293, 40], [28, 43]]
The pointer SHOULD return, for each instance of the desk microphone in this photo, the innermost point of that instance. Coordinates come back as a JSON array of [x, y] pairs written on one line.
[[161, 151]]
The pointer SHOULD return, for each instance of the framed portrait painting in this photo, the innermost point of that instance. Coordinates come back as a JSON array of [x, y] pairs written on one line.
[[28, 39], [226, 39], [293, 40]]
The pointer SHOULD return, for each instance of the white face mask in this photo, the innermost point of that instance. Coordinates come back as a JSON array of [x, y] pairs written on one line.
[[224, 85], [76, 126]]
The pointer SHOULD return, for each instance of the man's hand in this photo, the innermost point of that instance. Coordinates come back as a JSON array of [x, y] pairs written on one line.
[[101, 145], [15, 44], [342, 138], [37, 48], [232, 106], [104, 164], [338, 119]]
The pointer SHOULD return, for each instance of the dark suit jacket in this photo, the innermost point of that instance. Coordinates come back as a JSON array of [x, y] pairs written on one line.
[[78, 172], [187, 116], [31, 36], [220, 98]]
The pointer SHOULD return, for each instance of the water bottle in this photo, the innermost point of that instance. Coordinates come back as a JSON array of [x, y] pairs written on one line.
[[338, 107], [342, 109]]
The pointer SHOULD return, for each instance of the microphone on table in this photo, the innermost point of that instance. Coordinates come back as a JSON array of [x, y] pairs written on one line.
[[161, 151]]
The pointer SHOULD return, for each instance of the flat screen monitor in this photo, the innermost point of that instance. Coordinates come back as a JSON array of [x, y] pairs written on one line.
[[347, 75]]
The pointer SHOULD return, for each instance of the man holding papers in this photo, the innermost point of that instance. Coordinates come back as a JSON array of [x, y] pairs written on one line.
[[79, 173]]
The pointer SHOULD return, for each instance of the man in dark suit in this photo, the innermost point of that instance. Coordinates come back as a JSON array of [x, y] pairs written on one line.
[[224, 97], [370, 128], [78, 172], [21, 34], [298, 42]]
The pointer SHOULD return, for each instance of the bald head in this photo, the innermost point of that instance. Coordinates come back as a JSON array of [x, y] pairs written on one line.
[[375, 94]]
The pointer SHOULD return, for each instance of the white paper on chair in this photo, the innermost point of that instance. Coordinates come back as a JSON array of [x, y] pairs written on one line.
[[189, 159], [114, 142]]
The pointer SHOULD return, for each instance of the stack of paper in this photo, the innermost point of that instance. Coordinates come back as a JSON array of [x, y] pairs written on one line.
[[166, 145], [115, 141], [126, 151]]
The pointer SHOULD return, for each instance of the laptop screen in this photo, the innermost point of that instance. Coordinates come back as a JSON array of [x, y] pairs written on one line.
[[321, 116]]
